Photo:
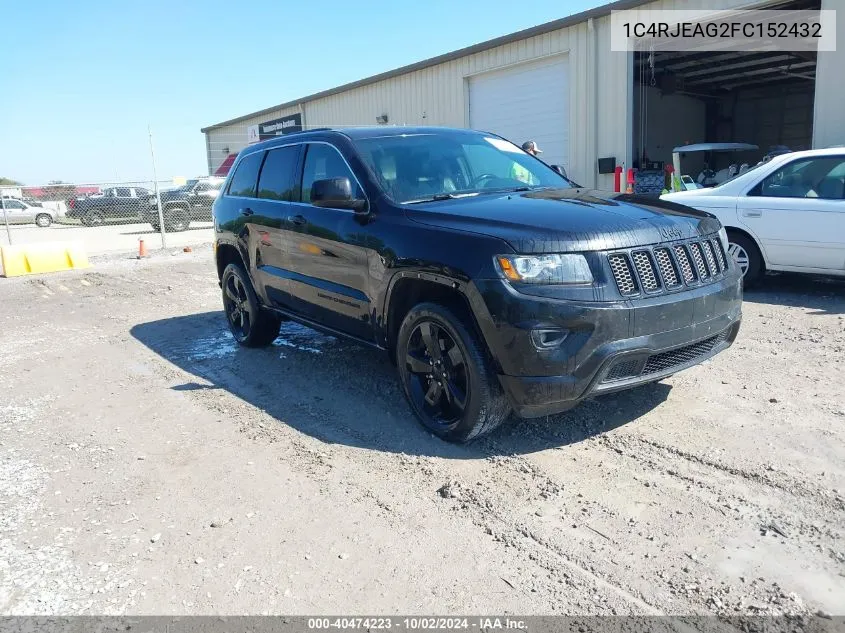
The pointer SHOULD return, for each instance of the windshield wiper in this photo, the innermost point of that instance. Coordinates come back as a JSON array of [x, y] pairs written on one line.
[[441, 196]]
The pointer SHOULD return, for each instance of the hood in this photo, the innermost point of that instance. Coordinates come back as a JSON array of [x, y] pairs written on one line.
[[565, 220]]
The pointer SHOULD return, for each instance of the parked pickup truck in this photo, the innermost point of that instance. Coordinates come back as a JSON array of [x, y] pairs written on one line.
[[183, 205], [114, 203]]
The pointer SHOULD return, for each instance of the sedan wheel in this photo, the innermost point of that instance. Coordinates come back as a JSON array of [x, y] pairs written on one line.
[[740, 257], [43, 220], [746, 256]]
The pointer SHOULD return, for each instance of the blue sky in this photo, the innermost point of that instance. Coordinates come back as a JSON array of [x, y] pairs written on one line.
[[83, 80]]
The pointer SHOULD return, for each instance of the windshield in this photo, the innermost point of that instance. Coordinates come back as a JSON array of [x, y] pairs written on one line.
[[421, 167], [734, 177]]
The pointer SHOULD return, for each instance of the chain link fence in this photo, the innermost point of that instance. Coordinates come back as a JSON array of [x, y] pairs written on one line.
[[110, 216]]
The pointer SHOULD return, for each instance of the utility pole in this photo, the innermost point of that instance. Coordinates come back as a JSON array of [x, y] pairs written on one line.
[[158, 195]]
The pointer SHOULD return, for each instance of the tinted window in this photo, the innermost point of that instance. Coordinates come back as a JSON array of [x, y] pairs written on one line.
[[12, 204], [806, 178], [124, 192], [203, 186], [278, 174], [246, 175], [324, 161]]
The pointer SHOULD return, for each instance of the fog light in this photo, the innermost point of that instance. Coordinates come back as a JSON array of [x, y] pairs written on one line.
[[546, 338]]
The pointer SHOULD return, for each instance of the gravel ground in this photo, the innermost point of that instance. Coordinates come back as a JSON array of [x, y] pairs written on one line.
[[148, 465]]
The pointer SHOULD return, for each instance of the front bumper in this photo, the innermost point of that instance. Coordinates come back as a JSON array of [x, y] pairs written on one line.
[[609, 346]]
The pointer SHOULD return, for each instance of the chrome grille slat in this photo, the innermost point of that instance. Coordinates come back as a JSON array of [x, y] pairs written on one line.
[[667, 268], [710, 257], [623, 274], [720, 254], [646, 271], [698, 258], [686, 265]]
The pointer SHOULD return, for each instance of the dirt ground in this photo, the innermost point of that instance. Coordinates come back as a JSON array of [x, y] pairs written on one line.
[[149, 466]]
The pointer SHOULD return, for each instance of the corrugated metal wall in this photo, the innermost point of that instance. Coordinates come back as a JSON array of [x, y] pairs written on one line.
[[829, 115]]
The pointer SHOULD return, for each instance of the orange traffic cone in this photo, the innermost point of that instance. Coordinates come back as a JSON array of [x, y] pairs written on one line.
[[142, 249]]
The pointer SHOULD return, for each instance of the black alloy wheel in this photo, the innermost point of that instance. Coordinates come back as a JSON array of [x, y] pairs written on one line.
[[438, 370], [446, 373], [250, 324]]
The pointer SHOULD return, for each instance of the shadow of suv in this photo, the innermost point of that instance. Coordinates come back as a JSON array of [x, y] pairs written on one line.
[[493, 283]]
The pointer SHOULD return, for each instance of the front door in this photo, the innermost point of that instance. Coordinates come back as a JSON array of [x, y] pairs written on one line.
[[278, 186], [328, 253], [798, 213], [17, 212]]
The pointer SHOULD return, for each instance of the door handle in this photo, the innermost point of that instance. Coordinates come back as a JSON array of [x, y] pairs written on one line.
[[752, 214], [298, 220], [247, 212]]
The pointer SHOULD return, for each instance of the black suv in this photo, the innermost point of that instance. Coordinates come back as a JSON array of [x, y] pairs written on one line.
[[491, 281], [180, 206]]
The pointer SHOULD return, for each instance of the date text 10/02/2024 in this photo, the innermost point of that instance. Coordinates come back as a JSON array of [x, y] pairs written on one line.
[[417, 623]]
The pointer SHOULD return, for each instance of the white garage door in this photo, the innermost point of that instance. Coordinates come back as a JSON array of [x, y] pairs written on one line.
[[528, 102]]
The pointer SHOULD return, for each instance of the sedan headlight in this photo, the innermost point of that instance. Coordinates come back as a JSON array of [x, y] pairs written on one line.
[[570, 268]]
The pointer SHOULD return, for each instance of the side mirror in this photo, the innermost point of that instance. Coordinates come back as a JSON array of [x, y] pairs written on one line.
[[335, 193], [559, 170]]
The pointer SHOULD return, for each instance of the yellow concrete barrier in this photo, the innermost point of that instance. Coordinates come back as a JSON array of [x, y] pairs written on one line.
[[46, 257]]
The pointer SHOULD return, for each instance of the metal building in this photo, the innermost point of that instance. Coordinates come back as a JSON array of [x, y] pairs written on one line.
[[560, 84]]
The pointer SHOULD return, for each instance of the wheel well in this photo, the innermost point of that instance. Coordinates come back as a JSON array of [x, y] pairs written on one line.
[[409, 292], [227, 254], [734, 230]]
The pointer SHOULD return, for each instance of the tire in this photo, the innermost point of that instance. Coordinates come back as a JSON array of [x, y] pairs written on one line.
[[43, 220], [467, 374], [94, 217], [250, 324], [746, 255], [176, 220], [156, 227]]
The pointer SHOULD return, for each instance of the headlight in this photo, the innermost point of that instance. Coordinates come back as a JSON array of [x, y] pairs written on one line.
[[545, 269]]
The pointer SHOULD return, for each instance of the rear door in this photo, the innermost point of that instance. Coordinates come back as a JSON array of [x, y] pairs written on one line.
[[329, 270], [278, 186], [798, 213]]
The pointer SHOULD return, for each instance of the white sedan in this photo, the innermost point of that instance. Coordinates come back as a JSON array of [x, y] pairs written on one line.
[[787, 214]]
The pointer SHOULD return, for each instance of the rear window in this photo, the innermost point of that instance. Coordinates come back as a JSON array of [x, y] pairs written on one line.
[[246, 176], [278, 174]]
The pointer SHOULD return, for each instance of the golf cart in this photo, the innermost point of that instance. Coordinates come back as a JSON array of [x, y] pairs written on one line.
[[708, 177]]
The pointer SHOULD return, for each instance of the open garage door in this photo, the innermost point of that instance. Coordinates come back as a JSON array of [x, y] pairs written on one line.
[[525, 102], [762, 98]]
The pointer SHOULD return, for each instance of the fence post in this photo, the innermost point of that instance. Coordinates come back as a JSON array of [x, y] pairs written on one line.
[[158, 196], [5, 217]]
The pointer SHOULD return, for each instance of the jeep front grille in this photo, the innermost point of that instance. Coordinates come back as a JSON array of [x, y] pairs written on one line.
[[720, 254], [698, 258], [623, 274], [710, 257], [667, 268], [646, 271]]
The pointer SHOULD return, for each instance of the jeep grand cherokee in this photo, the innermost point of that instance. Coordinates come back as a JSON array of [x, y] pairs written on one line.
[[493, 283]]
